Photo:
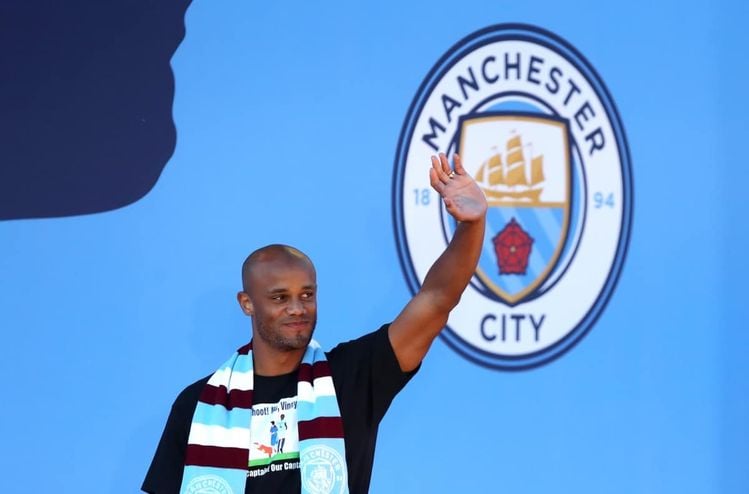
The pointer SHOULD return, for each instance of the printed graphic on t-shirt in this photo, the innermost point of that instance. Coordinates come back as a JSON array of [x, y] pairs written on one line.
[[274, 437]]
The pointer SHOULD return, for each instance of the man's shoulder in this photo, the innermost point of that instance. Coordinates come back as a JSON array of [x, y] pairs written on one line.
[[189, 396], [377, 337]]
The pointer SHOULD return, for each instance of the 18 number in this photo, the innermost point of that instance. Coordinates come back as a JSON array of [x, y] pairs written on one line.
[[421, 197]]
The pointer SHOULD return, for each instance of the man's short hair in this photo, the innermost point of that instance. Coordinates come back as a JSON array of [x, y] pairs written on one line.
[[272, 252]]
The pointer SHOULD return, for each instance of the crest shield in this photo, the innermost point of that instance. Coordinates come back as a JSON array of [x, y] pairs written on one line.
[[522, 163]]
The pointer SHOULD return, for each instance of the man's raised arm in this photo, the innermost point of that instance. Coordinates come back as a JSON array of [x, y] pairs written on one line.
[[413, 331]]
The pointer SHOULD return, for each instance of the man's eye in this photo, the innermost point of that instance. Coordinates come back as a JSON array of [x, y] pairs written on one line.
[[308, 295]]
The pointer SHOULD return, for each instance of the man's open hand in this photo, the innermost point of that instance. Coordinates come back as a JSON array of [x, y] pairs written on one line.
[[463, 198]]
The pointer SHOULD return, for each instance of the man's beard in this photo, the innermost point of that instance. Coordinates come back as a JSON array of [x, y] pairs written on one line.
[[275, 337]]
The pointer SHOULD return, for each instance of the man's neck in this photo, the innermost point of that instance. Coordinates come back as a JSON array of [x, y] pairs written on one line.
[[270, 362]]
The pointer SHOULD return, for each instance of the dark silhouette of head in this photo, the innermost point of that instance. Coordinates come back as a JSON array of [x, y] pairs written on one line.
[[86, 121]]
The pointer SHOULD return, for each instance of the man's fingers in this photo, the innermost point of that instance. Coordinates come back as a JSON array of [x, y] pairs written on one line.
[[459, 165], [439, 168], [434, 179], [445, 164]]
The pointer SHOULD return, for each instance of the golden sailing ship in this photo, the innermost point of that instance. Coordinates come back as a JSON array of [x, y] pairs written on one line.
[[509, 181]]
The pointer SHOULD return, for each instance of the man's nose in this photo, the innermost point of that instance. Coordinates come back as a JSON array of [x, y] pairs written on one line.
[[295, 307]]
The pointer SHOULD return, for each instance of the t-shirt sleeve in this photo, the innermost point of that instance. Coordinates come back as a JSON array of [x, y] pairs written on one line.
[[369, 363], [165, 473]]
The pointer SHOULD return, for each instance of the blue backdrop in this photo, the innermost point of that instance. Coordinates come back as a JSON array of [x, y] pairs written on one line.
[[116, 292]]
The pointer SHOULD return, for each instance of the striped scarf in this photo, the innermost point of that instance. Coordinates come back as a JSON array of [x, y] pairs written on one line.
[[218, 452]]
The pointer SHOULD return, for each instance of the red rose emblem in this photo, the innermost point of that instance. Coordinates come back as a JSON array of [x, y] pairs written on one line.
[[513, 247]]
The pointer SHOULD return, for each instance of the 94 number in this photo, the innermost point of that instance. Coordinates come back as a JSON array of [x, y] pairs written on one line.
[[601, 200]]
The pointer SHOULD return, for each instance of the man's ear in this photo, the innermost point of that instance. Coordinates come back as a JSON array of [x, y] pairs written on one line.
[[245, 303]]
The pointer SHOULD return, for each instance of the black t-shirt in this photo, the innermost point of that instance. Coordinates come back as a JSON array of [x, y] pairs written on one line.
[[366, 376]]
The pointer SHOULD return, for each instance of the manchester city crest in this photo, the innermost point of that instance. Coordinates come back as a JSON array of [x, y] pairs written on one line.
[[521, 161], [323, 471], [538, 131], [208, 484]]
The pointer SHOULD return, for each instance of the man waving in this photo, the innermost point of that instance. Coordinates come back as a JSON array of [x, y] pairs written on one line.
[[330, 403]]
